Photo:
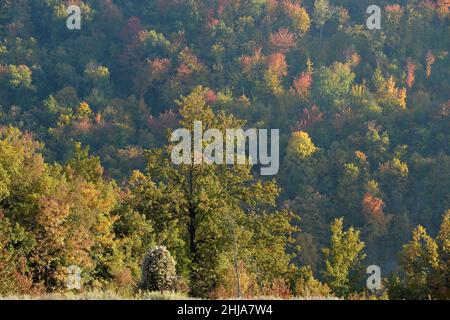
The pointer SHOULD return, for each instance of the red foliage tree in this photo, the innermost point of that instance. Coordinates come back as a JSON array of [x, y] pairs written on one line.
[[302, 84], [249, 61], [189, 63], [410, 69], [277, 63], [308, 118], [130, 60], [159, 126], [210, 96], [282, 40], [373, 210]]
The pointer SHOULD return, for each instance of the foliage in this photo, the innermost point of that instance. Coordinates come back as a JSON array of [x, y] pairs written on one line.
[[208, 214], [342, 258], [308, 287], [85, 172], [425, 265]]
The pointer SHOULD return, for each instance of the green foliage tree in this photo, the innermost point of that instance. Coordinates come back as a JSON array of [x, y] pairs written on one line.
[[332, 85], [323, 12], [425, 263], [382, 95], [15, 245], [342, 258], [300, 145], [57, 216], [204, 205], [309, 287]]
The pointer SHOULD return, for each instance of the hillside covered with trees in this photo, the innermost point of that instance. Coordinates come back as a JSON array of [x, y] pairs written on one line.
[[364, 117]]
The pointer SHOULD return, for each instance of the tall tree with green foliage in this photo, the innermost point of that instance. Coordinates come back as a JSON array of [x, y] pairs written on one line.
[[206, 207], [323, 11], [342, 258], [426, 265], [332, 86]]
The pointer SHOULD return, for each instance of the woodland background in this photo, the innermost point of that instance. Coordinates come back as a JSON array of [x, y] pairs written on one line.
[[85, 177]]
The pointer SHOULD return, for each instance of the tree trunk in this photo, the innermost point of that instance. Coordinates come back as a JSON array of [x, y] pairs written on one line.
[[236, 271]]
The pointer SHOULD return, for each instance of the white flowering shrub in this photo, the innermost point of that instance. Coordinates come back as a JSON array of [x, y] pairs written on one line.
[[158, 270]]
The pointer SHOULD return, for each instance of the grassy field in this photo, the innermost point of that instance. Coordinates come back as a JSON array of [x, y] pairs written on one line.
[[110, 295], [102, 295]]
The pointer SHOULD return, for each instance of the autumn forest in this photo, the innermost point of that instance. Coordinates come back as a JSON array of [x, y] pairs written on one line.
[[87, 180]]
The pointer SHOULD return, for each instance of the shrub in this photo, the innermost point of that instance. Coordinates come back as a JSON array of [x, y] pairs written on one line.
[[279, 288], [158, 270], [308, 287]]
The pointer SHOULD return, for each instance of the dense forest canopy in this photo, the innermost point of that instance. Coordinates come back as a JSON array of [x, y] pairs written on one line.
[[364, 179]]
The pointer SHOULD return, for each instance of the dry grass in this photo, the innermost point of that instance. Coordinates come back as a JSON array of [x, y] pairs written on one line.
[[102, 295], [111, 295]]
